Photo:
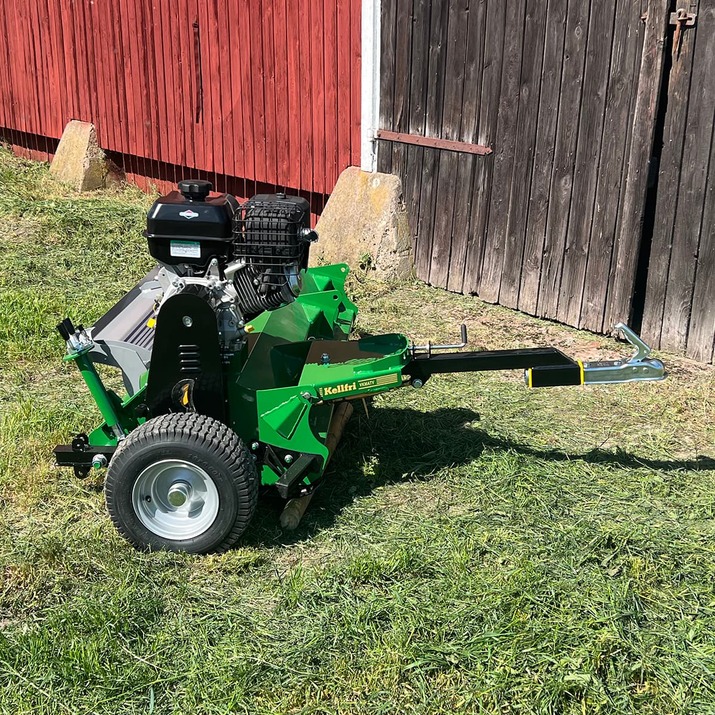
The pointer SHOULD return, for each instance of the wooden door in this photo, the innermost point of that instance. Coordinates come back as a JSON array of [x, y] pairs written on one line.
[[679, 312], [564, 93]]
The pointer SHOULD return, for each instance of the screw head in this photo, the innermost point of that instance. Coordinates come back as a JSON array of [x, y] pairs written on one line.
[[288, 459], [417, 383], [187, 321], [255, 446]]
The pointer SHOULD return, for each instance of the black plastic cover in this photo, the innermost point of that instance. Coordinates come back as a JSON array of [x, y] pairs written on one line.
[[268, 230], [192, 231]]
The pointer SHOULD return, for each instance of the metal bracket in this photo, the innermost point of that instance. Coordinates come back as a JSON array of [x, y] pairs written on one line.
[[429, 348], [642, 350], [682, 16]]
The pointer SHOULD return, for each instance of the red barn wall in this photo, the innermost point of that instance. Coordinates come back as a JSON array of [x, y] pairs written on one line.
[[252, 94]]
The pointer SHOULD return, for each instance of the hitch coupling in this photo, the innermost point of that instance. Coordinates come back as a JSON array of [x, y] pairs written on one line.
[[639, 367]]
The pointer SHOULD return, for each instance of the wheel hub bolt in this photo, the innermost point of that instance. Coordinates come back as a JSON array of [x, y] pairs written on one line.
[[178, 494]]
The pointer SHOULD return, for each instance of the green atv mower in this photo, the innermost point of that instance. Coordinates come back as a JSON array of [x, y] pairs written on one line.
[[240, 373]]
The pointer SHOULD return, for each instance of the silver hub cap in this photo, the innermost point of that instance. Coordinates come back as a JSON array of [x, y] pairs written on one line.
[[175, 500]]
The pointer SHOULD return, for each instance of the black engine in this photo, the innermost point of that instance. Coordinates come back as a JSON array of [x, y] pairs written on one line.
[[271, 237], [258, 248]]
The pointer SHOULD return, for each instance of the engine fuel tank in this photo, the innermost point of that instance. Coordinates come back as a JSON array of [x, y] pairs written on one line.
[[190, 227]]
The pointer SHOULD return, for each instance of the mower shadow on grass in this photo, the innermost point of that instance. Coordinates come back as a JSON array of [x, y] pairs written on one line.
[[404, 445]]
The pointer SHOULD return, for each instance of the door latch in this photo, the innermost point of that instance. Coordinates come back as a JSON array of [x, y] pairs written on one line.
[[681, 18]]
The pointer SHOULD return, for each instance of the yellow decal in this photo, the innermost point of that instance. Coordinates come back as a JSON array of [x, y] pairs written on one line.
[[185, 395], [358, 385]]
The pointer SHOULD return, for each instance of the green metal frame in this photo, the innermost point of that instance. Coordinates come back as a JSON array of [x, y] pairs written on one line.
[[277, 401], [297, 364]]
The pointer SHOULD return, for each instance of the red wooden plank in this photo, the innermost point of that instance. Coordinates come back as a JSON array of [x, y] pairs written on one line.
[[193, 137], [11, 85], [87, 59], [149, 85], [105, 43], [269, 93], [139, 79], [221, 81], [38, 70], [306, 79], [246, 97], [117, 96], [42, 51], [124, 62], [5, 85], [54, 125], [344, 84], [175, 80], [318, 98], [207, 52], [29, 70], [330, 63], [355, 45], [98, 48], [280, 50], [17, 52], [235, 161], [295, 95], [258, 106], [162, 89], [57, 66], [79, 58]]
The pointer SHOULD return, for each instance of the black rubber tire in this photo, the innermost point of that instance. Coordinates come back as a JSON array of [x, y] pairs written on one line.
[[202, 441]]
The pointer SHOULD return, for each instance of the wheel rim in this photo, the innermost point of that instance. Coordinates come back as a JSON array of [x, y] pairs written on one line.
[[175, 499]]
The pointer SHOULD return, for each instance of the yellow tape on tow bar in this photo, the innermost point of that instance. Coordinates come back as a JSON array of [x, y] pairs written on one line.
[[583, 372]]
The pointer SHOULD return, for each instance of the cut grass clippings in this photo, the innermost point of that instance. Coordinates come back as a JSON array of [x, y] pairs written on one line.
[[476, 547]]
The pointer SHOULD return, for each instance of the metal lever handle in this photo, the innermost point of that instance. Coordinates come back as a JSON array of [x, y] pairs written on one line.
[[642, 349], [427, 349]]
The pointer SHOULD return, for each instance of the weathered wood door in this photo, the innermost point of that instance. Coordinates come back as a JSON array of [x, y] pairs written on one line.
[[679, 312], [565, 93]]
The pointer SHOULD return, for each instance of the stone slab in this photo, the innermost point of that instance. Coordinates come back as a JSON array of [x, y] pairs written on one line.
[[364, 224], [79, 160]]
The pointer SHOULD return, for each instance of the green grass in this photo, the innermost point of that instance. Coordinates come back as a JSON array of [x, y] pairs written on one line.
[[477, 547]]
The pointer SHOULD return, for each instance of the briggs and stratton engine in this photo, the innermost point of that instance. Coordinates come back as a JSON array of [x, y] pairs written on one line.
[[242, 259]]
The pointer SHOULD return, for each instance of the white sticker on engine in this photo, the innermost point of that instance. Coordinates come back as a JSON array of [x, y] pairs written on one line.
[[185, 249]]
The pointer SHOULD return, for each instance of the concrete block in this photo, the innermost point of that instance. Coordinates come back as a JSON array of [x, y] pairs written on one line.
[[364, 224], [79, 161]]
